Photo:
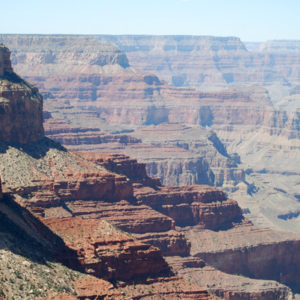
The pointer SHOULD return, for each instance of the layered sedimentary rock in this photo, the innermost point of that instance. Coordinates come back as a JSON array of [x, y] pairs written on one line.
[[63, 133], [144, 223], [188, 206], [65, 190], [228, 286], [212, 63], [105, 252], [74, 196], [18, 102], [168, 288], [122, 164], [89, 95], [256, 250]]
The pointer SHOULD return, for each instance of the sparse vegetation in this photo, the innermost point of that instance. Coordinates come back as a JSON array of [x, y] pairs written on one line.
[[31, 279]]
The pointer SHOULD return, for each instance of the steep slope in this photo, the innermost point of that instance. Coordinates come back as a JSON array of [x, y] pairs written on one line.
[[31, 256], [18, 101]]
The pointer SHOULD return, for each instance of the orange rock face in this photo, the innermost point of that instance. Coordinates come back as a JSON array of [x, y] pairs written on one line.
[[169, 288], [146, 224], [65, 176], [106, 252], [128, 217], [122, 164], [191, 205], [89, 287], [18, 102]]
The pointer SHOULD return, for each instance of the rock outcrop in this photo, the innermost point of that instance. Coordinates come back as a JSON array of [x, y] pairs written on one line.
[[5, 63], [61, 132], [228, 286], [205, 206], [105, 252], [18, 102], [122, 164]]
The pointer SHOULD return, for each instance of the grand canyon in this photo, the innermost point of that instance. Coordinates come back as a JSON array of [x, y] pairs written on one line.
[[149, 167]]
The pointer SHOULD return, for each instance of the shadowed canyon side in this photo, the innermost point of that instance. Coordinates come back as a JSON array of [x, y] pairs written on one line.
[[234, 139]]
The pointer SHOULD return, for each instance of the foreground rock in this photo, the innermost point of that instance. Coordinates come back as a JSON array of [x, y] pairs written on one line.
[[105, 252], [31, 256]]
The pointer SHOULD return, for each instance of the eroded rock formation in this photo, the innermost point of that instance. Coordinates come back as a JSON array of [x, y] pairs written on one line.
[[19, 101]]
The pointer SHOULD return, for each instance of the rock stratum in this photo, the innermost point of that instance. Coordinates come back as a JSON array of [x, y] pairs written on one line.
[[18, 102]]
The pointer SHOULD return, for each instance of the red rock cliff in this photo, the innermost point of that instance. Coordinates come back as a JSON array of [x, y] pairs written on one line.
[[19, 101]]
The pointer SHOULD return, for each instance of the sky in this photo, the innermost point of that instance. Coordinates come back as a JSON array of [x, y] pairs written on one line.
[[251, 20]]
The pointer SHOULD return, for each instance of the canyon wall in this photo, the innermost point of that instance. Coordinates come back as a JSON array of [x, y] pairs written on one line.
[[210, 63], [118, 227], [226, 138], [18, 101], [52, 183]]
